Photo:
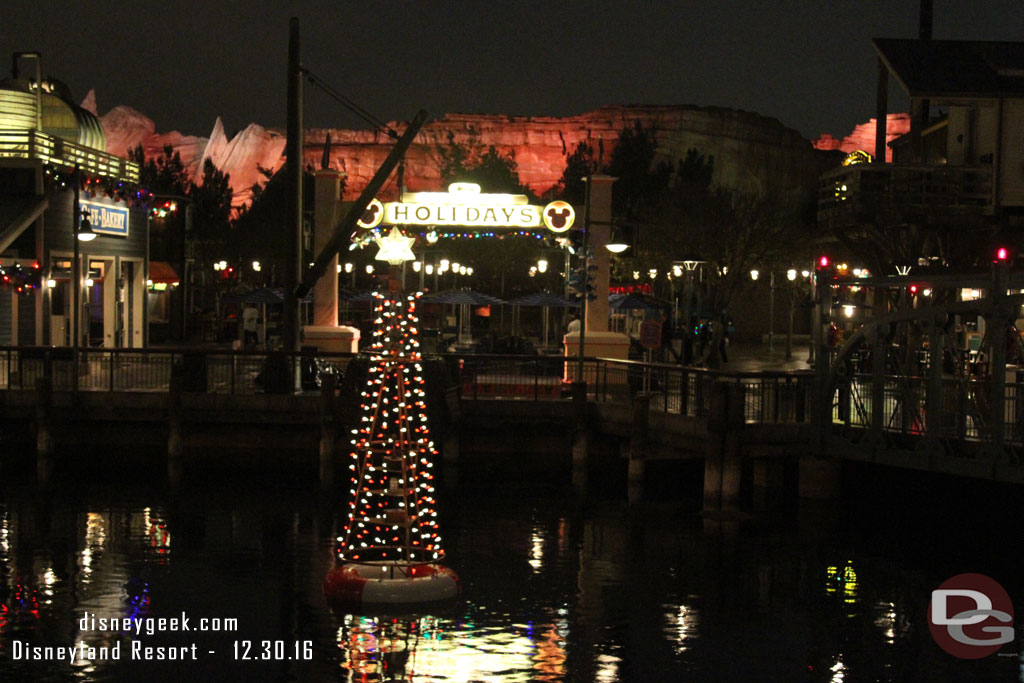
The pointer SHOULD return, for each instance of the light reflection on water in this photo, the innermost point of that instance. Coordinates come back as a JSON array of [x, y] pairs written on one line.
[[554, 589]]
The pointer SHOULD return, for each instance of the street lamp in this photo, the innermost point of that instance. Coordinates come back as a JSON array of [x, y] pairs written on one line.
[[754, 274]]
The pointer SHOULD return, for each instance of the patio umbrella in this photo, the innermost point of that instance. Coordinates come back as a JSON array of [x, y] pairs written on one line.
[[545, 300], [261, 297], [636, 301], [465, 298], [355, 297]]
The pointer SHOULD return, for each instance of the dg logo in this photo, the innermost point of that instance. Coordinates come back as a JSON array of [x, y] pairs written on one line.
[[970, 616]]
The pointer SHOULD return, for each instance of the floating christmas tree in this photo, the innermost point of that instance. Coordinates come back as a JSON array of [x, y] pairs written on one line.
[[391, 535], [391, 511]]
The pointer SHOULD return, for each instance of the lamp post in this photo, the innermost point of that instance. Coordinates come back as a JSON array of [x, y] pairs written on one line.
[[82, 232], [754, 274]]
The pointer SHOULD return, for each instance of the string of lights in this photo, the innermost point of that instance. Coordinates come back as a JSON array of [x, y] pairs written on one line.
[[391, 511]]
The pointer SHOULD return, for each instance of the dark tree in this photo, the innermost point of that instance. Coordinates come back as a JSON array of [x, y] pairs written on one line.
[[258, 232], [578, 165], [163, 175]]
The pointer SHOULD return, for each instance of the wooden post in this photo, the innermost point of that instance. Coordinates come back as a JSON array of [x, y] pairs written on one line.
[[581, 437], [768, 481], [175, 437], [732, 461], [44, 437], [638, 446], [328, 431], [713, 462], [451, 445]]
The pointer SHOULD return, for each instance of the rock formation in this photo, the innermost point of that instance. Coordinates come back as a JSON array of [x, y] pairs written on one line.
[[863, 136], [751, 152]]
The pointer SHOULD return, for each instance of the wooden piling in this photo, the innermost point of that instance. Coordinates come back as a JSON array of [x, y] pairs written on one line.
[[713, 461], [328, 431], [581, 437], [175, 436], [44, 436], [732, 456], [638, 443]]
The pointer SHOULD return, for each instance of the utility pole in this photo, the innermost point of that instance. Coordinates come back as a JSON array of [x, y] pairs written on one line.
[[293, 162]]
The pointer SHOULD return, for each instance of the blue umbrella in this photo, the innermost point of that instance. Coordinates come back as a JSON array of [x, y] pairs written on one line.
[[463, 296], [635, 301], [546, 299], [263, 296], [348, 295]]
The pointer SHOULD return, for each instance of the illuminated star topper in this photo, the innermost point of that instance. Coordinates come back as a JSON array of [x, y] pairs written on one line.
[[395, 248]]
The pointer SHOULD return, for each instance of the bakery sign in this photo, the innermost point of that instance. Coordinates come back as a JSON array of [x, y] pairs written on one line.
[[465, 205], [107, 219]]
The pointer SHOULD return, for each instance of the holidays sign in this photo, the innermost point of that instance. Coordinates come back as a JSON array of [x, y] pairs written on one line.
[[107, 219], [464, 205]]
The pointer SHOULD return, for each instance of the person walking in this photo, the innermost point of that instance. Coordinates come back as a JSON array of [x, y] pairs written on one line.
[[250, 316]]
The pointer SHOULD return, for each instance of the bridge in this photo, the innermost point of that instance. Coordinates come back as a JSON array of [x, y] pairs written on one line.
[[902, 411]]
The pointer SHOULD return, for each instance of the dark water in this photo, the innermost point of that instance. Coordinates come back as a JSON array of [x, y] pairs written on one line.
[[555, 587]]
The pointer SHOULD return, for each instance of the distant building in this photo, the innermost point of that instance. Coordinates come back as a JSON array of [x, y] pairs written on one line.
[[44, 137], [960, 168]]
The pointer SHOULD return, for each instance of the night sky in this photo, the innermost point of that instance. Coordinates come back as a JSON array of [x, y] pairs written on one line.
[[807, 63]]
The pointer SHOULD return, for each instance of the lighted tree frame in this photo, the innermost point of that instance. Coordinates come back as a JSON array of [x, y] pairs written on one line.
[[392, 517]]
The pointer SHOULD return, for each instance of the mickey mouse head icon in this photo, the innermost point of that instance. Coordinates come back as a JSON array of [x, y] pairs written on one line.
[[559, 216], [372, 216]]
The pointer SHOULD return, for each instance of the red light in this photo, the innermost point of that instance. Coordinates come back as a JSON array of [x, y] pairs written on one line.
[[913, 289], [823, 261], [1001, 254]]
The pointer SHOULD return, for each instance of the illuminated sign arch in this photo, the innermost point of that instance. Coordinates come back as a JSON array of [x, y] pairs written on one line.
[[465, 206]]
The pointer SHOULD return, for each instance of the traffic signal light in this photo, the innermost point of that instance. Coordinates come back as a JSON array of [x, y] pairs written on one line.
[[581, 282]]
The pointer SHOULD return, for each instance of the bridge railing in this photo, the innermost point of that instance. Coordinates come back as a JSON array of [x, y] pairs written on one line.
[[151, 369], [768, 397], [964, 408]]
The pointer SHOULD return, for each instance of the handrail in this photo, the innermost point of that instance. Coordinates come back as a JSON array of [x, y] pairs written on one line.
[[31, 144]]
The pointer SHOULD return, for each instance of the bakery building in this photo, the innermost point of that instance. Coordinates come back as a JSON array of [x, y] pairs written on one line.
[[58, 186]]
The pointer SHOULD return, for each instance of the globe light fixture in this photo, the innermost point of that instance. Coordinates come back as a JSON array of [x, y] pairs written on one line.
[[542, 266], [754, 273], [791, 274], [349, 267], [85, 233]]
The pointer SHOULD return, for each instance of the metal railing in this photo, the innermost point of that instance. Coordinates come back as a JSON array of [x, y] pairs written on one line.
[[200, 370], [928, 187], [768, 397], [31, 144], [964, 407]]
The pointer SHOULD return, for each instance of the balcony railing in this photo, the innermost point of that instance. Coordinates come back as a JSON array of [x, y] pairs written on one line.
[[30, 144], [851, 190]]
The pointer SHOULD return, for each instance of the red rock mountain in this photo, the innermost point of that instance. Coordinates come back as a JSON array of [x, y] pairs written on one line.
[[751, 152]]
